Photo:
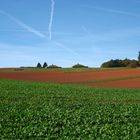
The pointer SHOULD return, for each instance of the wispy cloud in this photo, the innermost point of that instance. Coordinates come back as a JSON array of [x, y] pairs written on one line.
[[66, 48], [51, 19], [23, 25], [35, 32], [116, 35], [85, 29], [112, 10]]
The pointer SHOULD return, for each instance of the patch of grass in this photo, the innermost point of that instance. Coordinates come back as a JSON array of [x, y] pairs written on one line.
[[58, 111], [91, 69], [29, 69], [67, 70]]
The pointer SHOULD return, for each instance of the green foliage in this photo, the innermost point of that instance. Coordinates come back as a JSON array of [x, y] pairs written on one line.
[[120, 63], [39, 65], [133, 64], [79, 66], [53, 66], [113, 63], [55, 111], [139, 58], [45, 65]]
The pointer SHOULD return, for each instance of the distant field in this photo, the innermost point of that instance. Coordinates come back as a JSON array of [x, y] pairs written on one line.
[[119, 78], [55, 69], [34, 110]]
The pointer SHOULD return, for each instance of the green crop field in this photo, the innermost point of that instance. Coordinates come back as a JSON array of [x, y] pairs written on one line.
[[31, 110]]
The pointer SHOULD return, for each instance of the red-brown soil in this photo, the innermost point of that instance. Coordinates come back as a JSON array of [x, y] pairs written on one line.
[[64, 77], [130, 83]]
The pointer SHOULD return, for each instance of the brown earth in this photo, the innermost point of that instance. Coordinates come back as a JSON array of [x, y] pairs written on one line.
[[64, 77], [130, 83]]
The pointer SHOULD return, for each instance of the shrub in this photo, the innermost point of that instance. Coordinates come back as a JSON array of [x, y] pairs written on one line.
[[53, 66], [120, 63], [79, 66], [133, 64]]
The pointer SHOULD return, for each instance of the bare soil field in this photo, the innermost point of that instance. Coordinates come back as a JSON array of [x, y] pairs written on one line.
[[130, 83], [72, 77]]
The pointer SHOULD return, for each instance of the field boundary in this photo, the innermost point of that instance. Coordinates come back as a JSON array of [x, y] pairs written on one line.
[[105, 80]]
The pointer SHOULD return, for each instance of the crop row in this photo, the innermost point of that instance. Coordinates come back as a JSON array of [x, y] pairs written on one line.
[[56, 111]]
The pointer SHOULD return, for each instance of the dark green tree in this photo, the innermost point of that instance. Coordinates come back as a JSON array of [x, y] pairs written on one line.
[[45, 65], [133, 64], [120, 63], [139, 58], [39, 65], [79, 66], [53, 66]]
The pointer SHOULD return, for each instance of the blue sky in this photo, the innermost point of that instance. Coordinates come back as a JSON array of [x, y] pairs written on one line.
[[75, 31]]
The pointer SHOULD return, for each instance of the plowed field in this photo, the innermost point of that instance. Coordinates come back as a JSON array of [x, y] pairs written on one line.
[[120, 78]]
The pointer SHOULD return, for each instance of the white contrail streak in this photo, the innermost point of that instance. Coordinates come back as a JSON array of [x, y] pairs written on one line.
[[112, 11], [66, 48], [50, 32], [37, 33], [51, 19], [23, 25], [85, 29]]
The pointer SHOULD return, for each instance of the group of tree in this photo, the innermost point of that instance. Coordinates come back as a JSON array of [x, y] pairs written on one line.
[[122, 63], [79, 66], [45, 65], [53, 66], [109, 64]]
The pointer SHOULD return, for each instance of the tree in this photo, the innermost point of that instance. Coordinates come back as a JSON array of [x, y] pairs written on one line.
[[120, 63], [133, 64], [79, 66], [113, 63], [38, 65], [45, 65], [53, 67], [126, 62], [139, 58]]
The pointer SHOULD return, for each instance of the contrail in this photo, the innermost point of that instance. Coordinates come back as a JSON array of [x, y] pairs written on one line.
[[50, 31], [37, 33], [112, 11], [66, 48], [85, 29], [51, 19], [23, 25]]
